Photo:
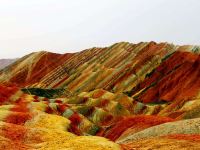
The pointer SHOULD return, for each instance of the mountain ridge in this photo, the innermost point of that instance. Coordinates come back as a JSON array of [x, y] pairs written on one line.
[[120, 43], [124, 92]]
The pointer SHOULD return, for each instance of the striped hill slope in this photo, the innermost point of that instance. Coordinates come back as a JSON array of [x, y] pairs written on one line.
[[117, 97]]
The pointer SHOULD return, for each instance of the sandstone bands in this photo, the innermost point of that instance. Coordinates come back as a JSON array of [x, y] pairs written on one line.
[[128, 93]]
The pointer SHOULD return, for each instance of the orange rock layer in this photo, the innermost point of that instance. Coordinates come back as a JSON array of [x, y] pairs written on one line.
[[140, 96]]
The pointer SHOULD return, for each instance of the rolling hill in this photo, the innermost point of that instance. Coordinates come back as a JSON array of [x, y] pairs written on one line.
[[117, 97]]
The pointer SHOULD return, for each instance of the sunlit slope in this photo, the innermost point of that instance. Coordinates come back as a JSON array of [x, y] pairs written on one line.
[[128, 93], [26, 123], [31, 68], [121, 67]]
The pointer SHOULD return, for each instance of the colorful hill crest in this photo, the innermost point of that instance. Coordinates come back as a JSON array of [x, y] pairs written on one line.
[[117, 97]]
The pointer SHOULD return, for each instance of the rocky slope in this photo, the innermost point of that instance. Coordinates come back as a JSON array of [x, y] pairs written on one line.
[[31, 68], [130, 94]]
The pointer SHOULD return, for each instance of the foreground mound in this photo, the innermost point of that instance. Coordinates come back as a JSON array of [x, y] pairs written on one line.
[[130, 125], [179, 142], [41, 138], [24, 125], [190, 126]]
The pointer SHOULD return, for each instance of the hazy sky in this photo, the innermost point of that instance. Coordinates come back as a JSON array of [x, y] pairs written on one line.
[[72, 25]]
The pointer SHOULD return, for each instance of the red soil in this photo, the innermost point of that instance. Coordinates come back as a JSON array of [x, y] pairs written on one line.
[[20, 77], [16, 134], [140, 121], [47, 63], [142, 57], [103, 103], [13, 132], [62, 107], [176, 78], [49, 110], [98, 94], [75, 121], [163, 69], [125, 147], [20, 113], [189, 137], [18, 118], [6, 92]]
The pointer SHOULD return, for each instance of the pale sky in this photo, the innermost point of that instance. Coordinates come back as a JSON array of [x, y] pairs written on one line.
[[72, 25]]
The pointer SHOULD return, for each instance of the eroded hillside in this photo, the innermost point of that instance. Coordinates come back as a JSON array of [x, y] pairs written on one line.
[[130, 94]]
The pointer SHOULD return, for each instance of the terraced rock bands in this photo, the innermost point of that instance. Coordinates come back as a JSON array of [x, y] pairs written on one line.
[[126, 96]]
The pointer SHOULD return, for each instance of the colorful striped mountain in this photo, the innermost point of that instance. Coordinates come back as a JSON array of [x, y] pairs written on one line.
[[126, 96]]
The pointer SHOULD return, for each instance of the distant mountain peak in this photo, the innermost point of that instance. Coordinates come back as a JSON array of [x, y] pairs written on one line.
[[5, 62]]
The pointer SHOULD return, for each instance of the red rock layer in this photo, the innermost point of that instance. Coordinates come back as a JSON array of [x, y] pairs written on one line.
[[16, 135], [45, 64], [145, 55], [6, 92], [137, 123], [189, 137], [17, 116], [177, 78], [21, 113]]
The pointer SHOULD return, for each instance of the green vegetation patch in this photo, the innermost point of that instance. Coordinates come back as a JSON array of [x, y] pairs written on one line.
[[48, 93]]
